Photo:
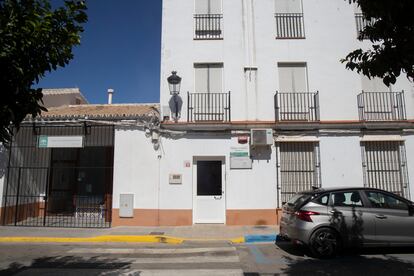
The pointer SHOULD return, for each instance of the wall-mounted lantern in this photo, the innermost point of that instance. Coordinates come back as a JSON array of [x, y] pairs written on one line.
[[174, 83]]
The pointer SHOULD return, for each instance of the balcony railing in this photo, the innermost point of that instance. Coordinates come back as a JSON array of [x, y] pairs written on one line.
[[289, 25], [208, 107], [295, 106], [361, 23], [208, 26], [381, 106]]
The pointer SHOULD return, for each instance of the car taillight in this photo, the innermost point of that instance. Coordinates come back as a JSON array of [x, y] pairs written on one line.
[[305, 215]]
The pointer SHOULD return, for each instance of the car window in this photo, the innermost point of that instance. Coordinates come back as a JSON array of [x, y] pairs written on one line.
[[297, 200], [323, 199], [381, 200], [348, 198]]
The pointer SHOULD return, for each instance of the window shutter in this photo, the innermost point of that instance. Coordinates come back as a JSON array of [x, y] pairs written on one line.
[[292, 77], [201, 79], [208, 6], [215, 78], [215, 7], [201, 6], [373, 85], [288, 6]]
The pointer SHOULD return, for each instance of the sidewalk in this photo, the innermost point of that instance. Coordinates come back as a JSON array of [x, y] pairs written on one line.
[[176, 234]]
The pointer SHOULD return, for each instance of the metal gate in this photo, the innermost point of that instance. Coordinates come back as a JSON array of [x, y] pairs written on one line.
[[60, 187], [384, 164], [298, 168]]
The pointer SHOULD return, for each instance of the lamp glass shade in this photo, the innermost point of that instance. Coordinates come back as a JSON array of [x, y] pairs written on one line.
[[174, 83]]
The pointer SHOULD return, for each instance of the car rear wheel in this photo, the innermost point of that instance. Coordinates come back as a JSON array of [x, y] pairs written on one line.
[[325, 243]]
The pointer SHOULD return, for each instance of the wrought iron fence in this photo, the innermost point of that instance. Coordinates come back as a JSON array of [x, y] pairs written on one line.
[[297, 106], [289, 25], [59, 187], [381, 106], [208, 26], [208, 107]]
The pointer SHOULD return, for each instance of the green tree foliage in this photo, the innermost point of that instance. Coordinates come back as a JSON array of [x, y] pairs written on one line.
[[391, 32], [35, 38]]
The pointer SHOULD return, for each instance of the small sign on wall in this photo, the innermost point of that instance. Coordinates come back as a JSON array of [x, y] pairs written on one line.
[[60, 141], [175, 179], [240, 157]]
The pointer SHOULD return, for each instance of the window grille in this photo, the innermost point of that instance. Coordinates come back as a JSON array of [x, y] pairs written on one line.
[[384, 165], [289, 25], [298, 168]]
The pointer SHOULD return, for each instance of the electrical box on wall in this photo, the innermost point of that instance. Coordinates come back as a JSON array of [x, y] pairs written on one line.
[[175, 179], [126, 205], [261, 137]]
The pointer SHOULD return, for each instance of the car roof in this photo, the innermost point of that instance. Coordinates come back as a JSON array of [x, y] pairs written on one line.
[[335, 189]]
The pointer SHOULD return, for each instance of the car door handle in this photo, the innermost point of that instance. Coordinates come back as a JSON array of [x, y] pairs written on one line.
[[381, 216], [217, 197]]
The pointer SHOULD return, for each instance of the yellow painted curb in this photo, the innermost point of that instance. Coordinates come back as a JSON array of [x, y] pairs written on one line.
[[112, 238], [238, 240]]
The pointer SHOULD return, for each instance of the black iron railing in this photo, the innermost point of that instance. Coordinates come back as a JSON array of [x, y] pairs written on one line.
[[361, 23], [297, 106], [381, 106], [208, 107], [208, 26], [289, 25]]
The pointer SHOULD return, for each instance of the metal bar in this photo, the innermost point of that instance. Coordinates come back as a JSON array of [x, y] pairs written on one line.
[[17, 197]]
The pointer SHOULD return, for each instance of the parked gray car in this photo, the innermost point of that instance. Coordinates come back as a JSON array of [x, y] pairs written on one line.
[[326, 220]]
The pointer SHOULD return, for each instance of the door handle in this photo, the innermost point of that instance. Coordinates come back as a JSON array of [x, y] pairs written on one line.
[[381, 216], [217, 197]]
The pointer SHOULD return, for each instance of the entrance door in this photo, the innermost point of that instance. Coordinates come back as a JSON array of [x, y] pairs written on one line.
[[209, 199]]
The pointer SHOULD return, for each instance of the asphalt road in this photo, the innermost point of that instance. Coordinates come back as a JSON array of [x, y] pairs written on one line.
[[200, 259]]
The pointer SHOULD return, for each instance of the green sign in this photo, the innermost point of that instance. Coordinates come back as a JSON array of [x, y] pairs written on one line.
[[42, 142]]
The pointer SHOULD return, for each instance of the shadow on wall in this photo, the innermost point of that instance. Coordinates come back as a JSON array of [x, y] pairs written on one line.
[[3, 160], [114, 266]]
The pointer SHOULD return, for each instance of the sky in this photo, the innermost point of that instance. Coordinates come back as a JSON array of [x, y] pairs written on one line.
[[120, 49]]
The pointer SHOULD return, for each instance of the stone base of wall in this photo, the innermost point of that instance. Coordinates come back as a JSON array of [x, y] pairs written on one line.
[[154, 217], [24, 211], [252, 217]]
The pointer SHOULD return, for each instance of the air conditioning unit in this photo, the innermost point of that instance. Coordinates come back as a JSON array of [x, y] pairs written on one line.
[[261, 137]]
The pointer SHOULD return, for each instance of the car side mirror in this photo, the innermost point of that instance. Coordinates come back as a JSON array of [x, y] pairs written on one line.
[[411, 210]]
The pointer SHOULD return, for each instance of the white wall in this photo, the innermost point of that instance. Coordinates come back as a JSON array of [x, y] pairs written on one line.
[[135, 168], [341, 161], [245, 189], [249, 40]]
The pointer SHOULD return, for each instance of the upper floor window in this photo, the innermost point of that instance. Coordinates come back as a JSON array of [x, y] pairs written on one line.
[[293, 77], [289, 19], [293, 101], [208, 102], [378, 103], [361, 22], [208, 19]]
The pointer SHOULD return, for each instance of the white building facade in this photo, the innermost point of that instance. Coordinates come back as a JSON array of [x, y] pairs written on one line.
[[248, 65]]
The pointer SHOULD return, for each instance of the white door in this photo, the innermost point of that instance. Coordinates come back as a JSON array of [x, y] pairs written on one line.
[[209, 193]]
